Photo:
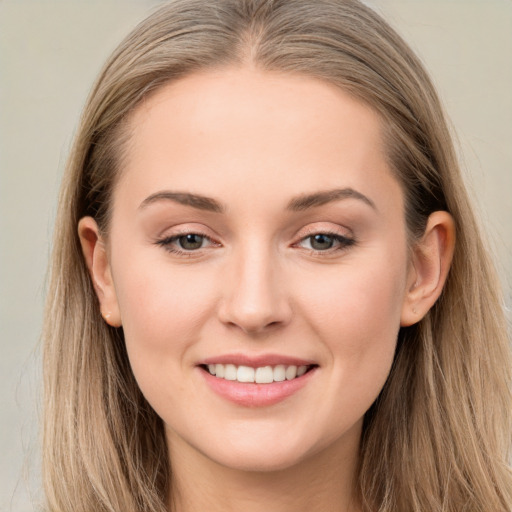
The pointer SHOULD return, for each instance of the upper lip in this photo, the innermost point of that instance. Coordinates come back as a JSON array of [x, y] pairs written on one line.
[[257, 361]]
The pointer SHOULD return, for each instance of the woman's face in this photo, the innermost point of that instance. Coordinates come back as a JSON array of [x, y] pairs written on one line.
[[257, 224]]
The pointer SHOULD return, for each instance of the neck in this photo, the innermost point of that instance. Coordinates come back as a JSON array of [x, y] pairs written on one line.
[[323, 482]]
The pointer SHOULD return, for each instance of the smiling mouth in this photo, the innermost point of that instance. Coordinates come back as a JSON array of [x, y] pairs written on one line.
[[259, 375]]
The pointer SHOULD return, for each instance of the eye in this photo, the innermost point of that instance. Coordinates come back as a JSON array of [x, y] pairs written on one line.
[[321, 241], [326, 242], [191, 241], [185, 243]]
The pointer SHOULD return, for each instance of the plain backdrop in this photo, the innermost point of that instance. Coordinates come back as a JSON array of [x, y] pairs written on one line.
[[50, 53]]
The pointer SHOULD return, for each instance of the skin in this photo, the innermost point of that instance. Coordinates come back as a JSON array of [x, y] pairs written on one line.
[[253, 141]]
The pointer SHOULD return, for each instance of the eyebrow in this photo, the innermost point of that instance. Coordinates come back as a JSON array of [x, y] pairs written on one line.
[[307, 201], [299, 203], [195, 200]]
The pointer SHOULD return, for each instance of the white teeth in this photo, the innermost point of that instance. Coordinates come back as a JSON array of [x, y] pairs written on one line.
[[245, 374], [291, 372], [279, 373], [219, 370], [261, 375], [301, 370], [230, 372], [264, 375]]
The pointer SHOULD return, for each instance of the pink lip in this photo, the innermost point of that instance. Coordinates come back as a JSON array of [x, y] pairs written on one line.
[[252, 394], [256, 361]]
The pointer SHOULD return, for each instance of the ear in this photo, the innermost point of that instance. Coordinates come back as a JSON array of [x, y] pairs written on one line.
[[431, 260], [96, 258]]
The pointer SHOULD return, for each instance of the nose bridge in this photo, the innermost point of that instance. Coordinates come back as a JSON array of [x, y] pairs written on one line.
[[256, 297]]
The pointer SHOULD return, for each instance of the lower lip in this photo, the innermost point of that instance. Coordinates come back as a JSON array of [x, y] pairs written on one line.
[[256, 395]]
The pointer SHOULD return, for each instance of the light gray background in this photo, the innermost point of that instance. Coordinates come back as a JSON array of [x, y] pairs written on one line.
[[51, 51]]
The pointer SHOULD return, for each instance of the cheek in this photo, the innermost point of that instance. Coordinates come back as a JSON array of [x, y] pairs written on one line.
[[162, 310], [357, 317], [356, 301]]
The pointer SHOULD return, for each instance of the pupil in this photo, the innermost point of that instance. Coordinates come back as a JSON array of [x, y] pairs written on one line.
[[191, 241], [321, 242]]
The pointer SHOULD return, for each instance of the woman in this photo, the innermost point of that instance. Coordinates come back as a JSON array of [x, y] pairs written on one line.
[[264, 205]]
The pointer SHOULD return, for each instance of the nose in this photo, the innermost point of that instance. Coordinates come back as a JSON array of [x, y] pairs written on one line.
[[255, 298]]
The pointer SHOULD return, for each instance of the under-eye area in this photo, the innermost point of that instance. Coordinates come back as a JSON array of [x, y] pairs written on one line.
[[259, 375]]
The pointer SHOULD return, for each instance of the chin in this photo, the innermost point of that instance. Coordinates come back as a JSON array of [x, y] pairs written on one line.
[[263, 451], [254, 461]]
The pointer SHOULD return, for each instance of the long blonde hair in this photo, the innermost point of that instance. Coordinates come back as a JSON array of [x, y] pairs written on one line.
[[438, 436]]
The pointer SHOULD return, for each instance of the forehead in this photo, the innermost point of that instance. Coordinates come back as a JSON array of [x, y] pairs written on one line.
[[248, 131]]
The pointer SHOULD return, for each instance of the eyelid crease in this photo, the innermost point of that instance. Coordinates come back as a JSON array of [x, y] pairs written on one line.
[[319, 230]]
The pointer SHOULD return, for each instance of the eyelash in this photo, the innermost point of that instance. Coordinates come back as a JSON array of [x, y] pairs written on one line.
[[167, 241], [343, 243]]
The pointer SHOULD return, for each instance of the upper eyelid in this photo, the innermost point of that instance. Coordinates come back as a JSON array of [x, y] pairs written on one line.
[[332, 228], [309, 232], [301, 233], [167, 240], [174, 232]]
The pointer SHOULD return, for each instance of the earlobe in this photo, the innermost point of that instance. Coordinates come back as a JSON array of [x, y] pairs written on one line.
[[431, 260], [96, 258]]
